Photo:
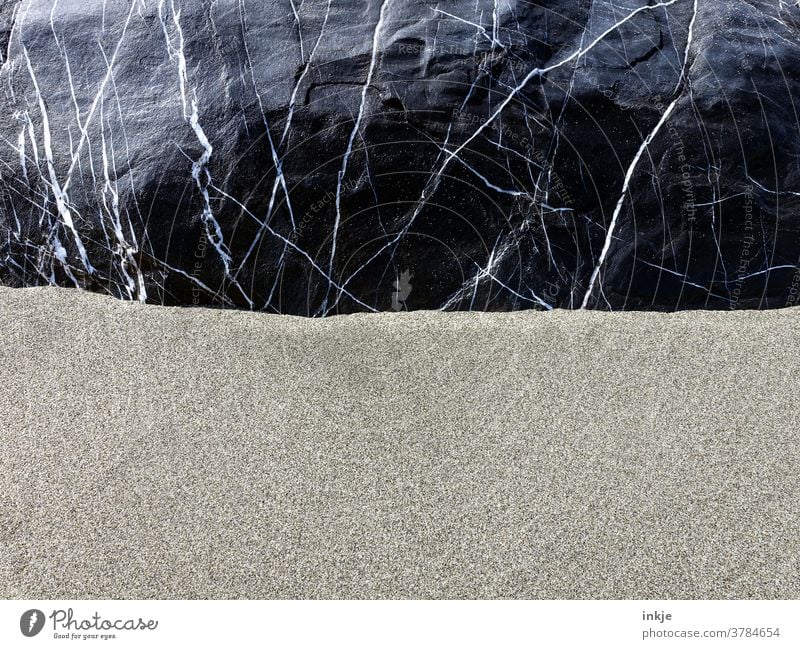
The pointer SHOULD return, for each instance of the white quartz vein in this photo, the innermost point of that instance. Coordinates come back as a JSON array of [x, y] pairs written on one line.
[[356, 128], [59, 193], [632, 169], [200, 172]]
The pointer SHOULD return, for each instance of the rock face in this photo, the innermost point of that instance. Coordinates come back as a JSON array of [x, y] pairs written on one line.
[[328, 157]]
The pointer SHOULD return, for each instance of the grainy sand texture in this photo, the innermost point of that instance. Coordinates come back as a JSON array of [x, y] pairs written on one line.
[[185, 453]]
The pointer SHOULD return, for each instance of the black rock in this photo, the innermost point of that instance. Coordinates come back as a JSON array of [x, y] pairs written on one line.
[[327, 157]]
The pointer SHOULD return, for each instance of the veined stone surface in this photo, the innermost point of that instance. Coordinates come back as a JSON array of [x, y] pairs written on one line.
[[317, 157]]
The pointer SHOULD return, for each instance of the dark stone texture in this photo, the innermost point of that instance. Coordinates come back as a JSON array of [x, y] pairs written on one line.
[[317, 159]]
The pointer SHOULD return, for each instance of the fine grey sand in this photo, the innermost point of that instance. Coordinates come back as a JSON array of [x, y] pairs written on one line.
[[184, 453]]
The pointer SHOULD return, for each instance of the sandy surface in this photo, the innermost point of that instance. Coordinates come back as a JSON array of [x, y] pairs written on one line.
[[160, 453]]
